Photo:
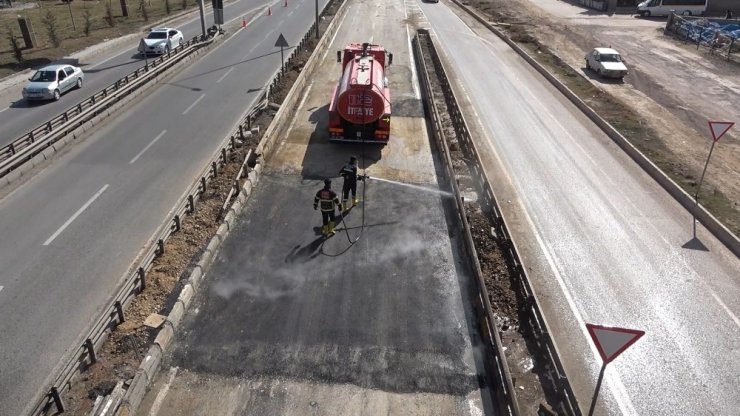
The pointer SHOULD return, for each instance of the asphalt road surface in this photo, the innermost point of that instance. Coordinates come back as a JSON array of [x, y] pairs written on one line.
[[71, 231], [18, 116], [289, 323], [603, 243]]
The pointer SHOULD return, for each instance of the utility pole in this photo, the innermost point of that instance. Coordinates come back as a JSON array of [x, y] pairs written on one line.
[[202, 19]]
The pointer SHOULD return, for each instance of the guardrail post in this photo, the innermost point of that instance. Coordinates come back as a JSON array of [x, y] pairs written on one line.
[[215, 169], [177, 223], [92, 100], [232, 140], [191, 204], [119, 310], [142, 276], [48, 126], [91, 351], [30, 137], [57, 399], [203, 184], [160, 246], [12, 149], [249, 123], [65, 117], [241, 132], [223, 155]]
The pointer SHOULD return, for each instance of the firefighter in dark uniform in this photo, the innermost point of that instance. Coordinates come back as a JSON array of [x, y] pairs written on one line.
[[327, 199], [349, 173]]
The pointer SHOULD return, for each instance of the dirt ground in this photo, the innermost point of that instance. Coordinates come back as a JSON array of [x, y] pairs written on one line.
[[664, 104]]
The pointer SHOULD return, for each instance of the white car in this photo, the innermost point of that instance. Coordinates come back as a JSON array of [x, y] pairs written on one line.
[[606, 62], [160, 40], [50, 82]]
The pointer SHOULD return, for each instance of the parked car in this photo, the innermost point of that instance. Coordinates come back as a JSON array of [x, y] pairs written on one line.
[[50, 82], [160, 40], [606, 62]]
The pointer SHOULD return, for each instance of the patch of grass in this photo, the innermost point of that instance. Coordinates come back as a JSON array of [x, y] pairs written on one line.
[[71, 39]]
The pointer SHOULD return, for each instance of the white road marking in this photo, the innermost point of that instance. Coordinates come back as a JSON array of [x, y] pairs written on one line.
[[160, 397], [722, 304], [159, 136], [4, 109], [224, 75], [76, 214], [1, 288], [193, 104]]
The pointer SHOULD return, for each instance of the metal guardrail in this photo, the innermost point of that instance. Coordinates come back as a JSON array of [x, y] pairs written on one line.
[[568, 404], [29, 145], [113, 314], [504, 390]]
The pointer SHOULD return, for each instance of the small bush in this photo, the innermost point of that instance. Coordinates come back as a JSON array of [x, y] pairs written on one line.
[[87, 22], [50, 21], [17, 50], [109, 16], [143, 11]]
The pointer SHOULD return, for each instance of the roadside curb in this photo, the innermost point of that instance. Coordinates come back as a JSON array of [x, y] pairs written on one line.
[[150, 365], [113, 110], [13, 80], [722, 233]]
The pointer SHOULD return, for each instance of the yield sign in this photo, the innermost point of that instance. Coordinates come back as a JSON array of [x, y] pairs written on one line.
[[612, 341], [281, 42], [719, 128]]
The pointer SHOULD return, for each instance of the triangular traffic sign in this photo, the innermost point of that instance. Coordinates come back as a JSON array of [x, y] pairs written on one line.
[[281, 42], [610, 342], [719, 128]]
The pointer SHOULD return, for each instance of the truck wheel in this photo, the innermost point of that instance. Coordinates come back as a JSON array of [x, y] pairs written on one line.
[[686, 13]]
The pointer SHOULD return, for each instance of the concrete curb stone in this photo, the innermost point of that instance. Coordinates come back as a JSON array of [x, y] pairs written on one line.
[[165, 334], [186, 295], [176, 314]]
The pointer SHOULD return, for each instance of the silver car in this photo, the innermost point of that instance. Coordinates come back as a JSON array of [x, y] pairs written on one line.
[[50, 82]]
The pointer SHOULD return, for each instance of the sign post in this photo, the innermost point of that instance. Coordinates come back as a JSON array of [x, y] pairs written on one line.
[[282, 43], [610, 342], [718, 129]]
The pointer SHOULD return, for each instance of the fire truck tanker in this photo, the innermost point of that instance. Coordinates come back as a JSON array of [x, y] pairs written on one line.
[[360, 108]]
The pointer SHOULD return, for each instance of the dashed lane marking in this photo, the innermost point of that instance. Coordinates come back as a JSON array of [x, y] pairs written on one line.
[[193, 104], [76, 214], [159, 136]]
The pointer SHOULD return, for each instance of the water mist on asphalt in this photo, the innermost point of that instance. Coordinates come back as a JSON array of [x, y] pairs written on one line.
[[417, 187]]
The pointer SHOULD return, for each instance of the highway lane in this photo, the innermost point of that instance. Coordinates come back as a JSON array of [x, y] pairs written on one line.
[[602, 241], [287, 323], [72, 231], [102, 70]]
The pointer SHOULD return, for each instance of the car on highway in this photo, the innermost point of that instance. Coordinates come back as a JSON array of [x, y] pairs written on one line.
[[606, 62], [160, 40], [50, 82]]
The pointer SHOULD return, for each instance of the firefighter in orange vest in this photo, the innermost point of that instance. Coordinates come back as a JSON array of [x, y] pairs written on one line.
[[328, 200]]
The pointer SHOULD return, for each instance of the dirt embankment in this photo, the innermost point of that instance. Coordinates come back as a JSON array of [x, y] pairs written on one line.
[[664, 104]]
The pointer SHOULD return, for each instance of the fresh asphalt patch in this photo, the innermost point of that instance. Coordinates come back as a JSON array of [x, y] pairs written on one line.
[[391, 312]]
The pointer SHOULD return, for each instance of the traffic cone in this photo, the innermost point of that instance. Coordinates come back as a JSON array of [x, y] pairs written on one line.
[[244, 22], [269, 11]]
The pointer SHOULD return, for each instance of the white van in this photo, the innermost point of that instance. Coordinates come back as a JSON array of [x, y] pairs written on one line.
[[664, 7]]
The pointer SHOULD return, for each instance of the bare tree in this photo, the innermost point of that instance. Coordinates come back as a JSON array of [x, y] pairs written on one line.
[[17, 50], [184, 4], [167, 8], [87, 19], [50, 21], [143, 11], [109, 15]]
